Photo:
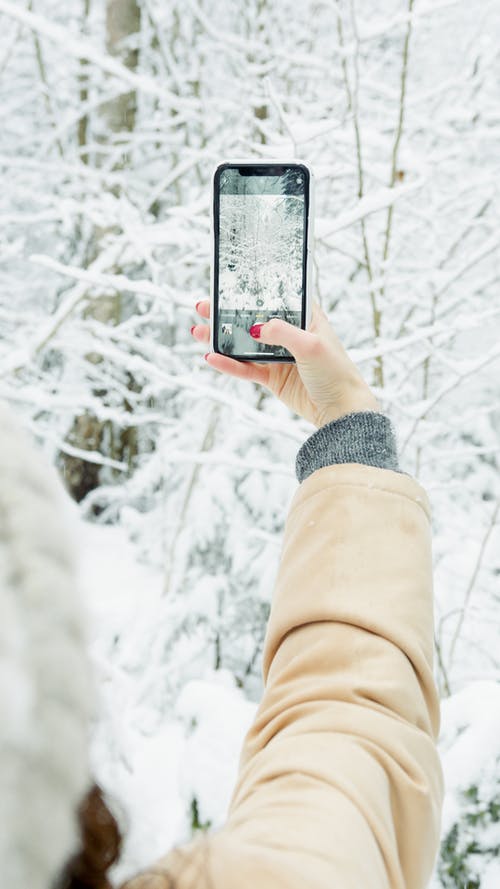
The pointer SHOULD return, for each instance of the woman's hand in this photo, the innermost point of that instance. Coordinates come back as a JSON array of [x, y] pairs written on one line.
[[321, 386]]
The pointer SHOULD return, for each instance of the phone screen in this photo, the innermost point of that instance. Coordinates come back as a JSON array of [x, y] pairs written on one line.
[[261, 248]]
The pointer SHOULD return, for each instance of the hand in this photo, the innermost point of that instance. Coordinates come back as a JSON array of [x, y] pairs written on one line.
[[321, 386]]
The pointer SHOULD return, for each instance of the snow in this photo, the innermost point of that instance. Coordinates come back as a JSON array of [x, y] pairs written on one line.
[[469, 742], [490, 877], [83, 49], [153, 769], [217, 716]]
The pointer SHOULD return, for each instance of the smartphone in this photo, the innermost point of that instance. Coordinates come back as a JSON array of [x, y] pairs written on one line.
[[262, 254]]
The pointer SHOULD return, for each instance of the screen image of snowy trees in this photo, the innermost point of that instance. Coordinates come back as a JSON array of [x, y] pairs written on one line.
[[261, 252], [114, 115]]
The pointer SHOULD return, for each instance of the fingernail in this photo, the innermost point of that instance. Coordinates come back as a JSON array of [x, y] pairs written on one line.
[[206, 355], [197, 304], [255, 331], [192, 328]]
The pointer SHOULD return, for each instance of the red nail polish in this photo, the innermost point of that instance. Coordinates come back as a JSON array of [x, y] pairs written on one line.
[[192, 328], [255, 331]]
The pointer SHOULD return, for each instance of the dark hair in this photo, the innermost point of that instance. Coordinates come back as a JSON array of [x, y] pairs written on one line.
[[101, 842]]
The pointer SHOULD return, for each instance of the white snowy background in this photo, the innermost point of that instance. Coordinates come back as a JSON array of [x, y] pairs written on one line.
[[114, 113]]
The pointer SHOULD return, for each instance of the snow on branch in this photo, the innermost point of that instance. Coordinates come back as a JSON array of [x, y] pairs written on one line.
[[82, 48], [372, 203]]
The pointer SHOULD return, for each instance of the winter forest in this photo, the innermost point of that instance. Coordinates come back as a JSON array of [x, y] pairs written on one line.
[[114, 115]]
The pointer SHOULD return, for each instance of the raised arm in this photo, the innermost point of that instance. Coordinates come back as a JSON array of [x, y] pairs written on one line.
[[340, 785], [340, 782]]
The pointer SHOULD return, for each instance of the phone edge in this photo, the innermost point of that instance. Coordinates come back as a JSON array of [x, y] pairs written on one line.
[[310, 241]]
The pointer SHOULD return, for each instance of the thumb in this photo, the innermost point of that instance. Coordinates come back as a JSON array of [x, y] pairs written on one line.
[[303, 345], [333, 383]]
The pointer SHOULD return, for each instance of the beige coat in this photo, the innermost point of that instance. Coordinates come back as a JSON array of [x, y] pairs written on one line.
[[340, 785]]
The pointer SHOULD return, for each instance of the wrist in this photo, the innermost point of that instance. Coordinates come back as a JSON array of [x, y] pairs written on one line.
[[353, 403]]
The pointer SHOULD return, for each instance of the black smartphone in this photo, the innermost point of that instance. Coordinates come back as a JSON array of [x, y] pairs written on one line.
[[262, 254]]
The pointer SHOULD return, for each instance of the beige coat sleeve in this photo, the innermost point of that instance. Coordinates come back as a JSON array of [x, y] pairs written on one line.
[[340, 785]]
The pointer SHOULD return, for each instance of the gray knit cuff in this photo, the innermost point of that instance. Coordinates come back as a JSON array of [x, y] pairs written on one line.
[[360, 437]]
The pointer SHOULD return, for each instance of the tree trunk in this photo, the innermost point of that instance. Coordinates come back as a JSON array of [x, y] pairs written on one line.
[[123, 19]]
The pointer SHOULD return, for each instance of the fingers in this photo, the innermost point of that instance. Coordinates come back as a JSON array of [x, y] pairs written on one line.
[[203, 308], [201, 332], [245, 370], [307, 346], [304, 345]]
